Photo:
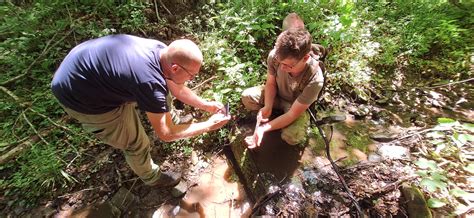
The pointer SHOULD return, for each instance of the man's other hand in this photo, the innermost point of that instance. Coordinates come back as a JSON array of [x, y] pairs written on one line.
[[214, 107], [218, 120]]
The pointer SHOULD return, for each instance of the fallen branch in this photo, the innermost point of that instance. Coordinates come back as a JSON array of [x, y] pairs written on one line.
[[448, 84], [13, 96], [50, 120], [21, 147]]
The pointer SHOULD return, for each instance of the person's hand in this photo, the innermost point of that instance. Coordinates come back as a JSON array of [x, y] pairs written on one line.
[[214, 107], [218, 120], [255, 140], [264, 114]]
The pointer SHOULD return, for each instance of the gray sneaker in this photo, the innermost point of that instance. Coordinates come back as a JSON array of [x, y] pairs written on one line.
[[167, 179]]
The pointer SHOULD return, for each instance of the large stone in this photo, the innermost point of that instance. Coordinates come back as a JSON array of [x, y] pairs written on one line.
[[123, 198], [416, 204], [383, 136], [394, 152]]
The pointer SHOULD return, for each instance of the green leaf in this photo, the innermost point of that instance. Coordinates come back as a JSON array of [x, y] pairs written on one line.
[[444, 120], [424, 164], [432, 185], [458, 193], [468, 126], [435, 135], [422, 173], [467, 137], [447, 122], [435, 203], [470, 168], [439, 177]]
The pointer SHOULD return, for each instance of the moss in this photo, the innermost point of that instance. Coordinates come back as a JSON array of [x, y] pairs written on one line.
[[357, 136]]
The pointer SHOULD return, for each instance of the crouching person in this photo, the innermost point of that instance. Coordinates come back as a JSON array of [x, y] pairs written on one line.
[[294, 80], [102, 81]]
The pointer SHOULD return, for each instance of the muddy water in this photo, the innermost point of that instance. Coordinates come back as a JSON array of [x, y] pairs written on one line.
[[215, 195]]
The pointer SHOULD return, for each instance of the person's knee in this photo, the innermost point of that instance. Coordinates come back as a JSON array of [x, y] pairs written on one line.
[[295, 133], [293, 137], [250, 98]]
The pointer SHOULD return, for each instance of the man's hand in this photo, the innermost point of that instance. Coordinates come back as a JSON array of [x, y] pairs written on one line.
[[255, 140], [218, 120], [214, 107], [264, 114]]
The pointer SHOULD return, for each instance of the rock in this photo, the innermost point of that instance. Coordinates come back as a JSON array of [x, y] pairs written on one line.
[[359, 112], [416, 204], [361, 156], [374, 157], [383, 136], [434, 95], [123, 198], [180, 189], [394, 152]]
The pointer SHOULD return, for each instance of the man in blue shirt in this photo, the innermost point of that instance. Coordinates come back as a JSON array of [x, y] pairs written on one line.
[[101, 81]]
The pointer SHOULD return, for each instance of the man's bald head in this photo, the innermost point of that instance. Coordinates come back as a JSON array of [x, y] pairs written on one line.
[[184, 52], [292, 20]]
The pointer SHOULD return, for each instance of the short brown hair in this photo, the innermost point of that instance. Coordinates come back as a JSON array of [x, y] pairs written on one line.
[[293, 43]]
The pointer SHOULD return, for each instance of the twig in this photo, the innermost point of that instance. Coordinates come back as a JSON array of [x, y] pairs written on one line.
[[156, 11], [21, 147], [49, 119], [391, 186], [128, 192], [203, 82], [164, 6], [33, 128], [413, 134], [448, 84], [12, 95], [69, 164]]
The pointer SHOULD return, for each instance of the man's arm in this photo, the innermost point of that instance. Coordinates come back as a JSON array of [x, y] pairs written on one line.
[[187, 96], [168, 131], [270, 93]]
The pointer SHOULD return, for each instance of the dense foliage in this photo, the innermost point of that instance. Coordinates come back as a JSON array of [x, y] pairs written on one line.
[[368, 42]]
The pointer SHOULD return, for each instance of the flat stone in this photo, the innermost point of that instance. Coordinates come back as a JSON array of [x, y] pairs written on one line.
[[180, 189], [394, 152], [123, 198], [383, 136], [374, 158]]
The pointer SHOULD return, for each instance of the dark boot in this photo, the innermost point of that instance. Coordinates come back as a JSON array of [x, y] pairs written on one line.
[[167, 179]]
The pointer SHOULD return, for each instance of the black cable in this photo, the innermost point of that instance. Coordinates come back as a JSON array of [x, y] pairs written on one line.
[[333, 164]]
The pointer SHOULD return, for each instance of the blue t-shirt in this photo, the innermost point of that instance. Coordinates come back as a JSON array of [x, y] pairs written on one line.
[[101, 74]]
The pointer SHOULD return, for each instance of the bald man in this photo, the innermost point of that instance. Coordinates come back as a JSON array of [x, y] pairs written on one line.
[[102, 81], [292, 20]]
